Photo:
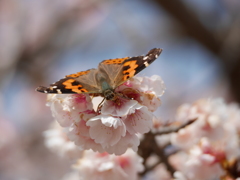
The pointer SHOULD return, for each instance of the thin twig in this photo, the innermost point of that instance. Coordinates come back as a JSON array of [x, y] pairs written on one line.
[[149, 147], [161, 154], [168, 130]]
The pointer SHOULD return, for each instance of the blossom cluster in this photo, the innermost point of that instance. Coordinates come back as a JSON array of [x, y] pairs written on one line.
[[210, 145], [114, 126]]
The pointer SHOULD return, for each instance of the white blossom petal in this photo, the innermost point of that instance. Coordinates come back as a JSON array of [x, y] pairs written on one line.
[[140, 121], [128, 141], [120, 108], [106, 130]]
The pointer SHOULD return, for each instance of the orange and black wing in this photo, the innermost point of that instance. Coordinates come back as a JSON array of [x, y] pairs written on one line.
[[81, 82], [134, 65]]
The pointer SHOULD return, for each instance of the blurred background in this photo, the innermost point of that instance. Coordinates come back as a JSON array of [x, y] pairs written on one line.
[[42, 41]]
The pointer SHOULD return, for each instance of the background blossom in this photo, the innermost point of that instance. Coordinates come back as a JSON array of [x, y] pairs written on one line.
[[57, 141], [208, 143], [104, 166]]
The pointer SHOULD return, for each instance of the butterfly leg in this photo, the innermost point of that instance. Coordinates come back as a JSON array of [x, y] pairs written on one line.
[[100, 105], [123, 96], [129, 93]]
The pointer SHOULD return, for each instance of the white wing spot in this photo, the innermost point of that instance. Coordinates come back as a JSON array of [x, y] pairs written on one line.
[[54, 86], [45, 91], [156, 56], [145, 58], [146, 64], [59, 91]]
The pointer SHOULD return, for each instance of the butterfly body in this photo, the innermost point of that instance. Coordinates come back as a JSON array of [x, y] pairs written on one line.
[[104, 80]]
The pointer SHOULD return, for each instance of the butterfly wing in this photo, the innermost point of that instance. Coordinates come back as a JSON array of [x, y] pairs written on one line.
[[134, 65], [111, 70], [119, 70], [81, 82]]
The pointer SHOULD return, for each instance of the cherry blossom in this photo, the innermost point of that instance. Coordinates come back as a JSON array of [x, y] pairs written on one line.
[[66, 108], [148, 90]]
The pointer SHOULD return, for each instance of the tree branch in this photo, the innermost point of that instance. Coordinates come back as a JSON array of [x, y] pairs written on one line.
[[168, 130]]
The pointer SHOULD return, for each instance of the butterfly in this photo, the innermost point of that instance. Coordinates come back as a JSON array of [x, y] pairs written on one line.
[[103, 81]]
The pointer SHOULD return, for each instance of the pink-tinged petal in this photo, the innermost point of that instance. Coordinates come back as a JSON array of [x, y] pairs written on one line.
[[102, 166], [128, 141], [86, 115], [133, 83], [140, 121], [151, 101], [108, 121], [64, 118], [56, 140], [118, 108], [66, 108], [130, 163], [145, 90], [79, 102], [79, 134], [154, 85], [130, 89], [80, 129], [88, 143], [106, 130]]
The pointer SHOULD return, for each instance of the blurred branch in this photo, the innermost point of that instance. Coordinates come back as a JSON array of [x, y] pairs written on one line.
[[191, 24], [149, 146], [228, 56], [168, 130], [232, 169], [147, 169]]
